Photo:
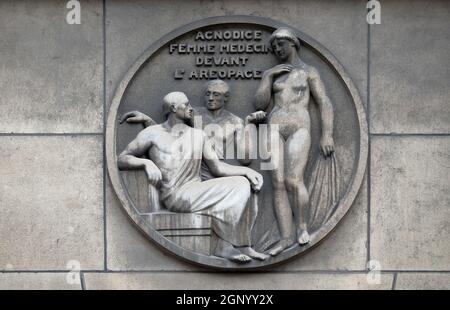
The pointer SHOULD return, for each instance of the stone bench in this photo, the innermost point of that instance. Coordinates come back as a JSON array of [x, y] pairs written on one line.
[[188, 230]]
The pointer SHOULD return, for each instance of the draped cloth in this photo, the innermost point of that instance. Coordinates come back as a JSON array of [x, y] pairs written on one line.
[[324, 191], [224, 199]]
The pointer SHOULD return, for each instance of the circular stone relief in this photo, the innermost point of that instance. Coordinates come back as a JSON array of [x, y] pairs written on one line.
[[236, 142]]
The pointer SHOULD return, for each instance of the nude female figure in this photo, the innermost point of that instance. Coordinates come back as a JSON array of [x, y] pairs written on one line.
[[284, 93]]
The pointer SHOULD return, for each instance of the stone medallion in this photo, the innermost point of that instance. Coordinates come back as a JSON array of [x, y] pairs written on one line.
[[236, 142]]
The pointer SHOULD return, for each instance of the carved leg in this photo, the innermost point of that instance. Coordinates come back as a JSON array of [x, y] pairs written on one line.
[[297, 151], [282, 207]]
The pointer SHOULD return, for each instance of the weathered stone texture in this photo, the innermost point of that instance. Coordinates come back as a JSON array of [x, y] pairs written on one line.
[[128, 248], [423, 281], [345, 248], [410, 214], [341, 28], [51, 202], [410, 52], [51, 72], [222, 281], [37, 281]]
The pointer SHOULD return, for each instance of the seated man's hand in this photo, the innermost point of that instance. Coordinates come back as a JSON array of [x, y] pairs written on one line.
[[256, 179], [153, 173], [135, 117]]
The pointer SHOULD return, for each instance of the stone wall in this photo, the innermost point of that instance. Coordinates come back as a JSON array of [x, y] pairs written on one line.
[[57, 208]]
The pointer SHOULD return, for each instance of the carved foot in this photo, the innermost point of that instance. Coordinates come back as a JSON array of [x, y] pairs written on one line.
[[239, 258], [280, 247], [304, 237], [228, 251], [253, 254]]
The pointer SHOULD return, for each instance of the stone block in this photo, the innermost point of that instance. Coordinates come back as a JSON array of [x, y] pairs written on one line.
[[52, 72], [233, 281], [190, 231], [410, 50], [410, 214], [131, 28], [37, 281], [51, 202], [423, 281], [128, 248]]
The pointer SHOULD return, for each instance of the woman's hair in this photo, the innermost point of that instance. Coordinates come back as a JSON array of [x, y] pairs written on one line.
[[285, 33]]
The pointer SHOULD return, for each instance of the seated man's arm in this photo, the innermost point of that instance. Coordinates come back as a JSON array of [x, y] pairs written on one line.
[[130, 158], [222, 169]]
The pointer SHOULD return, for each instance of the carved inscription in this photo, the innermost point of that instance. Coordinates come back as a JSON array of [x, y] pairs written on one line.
[[221, 55]]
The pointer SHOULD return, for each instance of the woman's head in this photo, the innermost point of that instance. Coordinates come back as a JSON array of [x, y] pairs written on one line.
[[283, 42]]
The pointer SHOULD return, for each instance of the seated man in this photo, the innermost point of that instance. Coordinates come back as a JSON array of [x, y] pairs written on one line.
[[175, 151], [233, 128]]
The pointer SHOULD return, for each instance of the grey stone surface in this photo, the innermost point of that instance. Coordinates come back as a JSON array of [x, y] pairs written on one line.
[[51, 187], [423, 281], [36, 281], [128, 248], [190, 231], [51, 73], [409, 65], [112, 20], [235, 281], [345, 248], [410, 214], [51, 202], [341, 28]]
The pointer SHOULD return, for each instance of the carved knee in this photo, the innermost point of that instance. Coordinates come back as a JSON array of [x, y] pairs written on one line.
[[297, 186], [278, 183], [242, 184], [292, 184]]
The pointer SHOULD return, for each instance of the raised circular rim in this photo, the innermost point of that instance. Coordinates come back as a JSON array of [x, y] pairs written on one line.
[[212, 261]]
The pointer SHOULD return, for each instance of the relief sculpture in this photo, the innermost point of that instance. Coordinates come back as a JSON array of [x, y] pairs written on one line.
[[251, 188]]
